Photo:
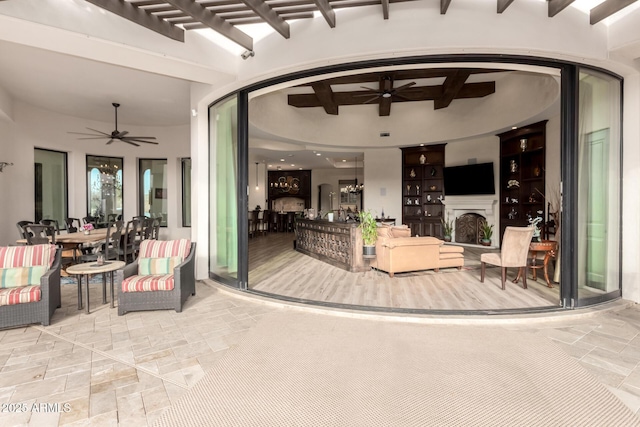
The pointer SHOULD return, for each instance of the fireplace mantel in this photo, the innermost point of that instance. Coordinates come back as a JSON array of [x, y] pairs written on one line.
[[456, 206]]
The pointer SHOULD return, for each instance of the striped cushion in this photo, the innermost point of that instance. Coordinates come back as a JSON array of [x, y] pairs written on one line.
[[165, 248], [21, 276], [158, 265], [27, 256], [12, 296], [148, 283]]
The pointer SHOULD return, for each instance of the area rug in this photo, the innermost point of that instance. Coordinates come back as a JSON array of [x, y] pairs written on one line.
[[302, 369]]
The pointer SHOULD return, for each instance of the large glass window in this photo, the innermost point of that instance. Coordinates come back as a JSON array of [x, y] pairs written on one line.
[[223, 197], [153, 189], [599, 163], [104, 187], [186, 192], [50, 185]]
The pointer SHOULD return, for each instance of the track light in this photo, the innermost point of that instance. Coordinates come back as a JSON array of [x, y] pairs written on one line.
[[247, 54]]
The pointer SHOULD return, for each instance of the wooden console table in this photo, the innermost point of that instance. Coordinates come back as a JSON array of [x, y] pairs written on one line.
[[336, 243], [549, 248]]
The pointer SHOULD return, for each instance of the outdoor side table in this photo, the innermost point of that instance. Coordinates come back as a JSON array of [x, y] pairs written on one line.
[[89, 268]]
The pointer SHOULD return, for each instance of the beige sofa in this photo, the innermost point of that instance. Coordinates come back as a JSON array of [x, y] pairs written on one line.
[[398, 252]]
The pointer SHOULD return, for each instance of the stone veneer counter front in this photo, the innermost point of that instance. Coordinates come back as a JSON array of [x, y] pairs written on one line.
[[336, 243]]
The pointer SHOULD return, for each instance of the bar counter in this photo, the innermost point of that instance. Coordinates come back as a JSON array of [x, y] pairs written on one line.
[[336, 243]]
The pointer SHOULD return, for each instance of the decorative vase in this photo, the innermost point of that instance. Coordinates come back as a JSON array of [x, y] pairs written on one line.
[[369, 251], [87, 232], [523, 144], [447, 238], [485, 242], [423, 159]]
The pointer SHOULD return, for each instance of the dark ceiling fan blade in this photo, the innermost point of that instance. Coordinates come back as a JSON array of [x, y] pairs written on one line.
[[123, 133], [141, 137], [369, 89], [371, 99], [94, 137], [129, 139], [100, 132], [399, 88], [132, 143], [110, 141], [90, 134]]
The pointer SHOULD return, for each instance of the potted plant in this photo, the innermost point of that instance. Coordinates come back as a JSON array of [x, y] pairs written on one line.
[[447, 229], [487, 231], [369, 229]]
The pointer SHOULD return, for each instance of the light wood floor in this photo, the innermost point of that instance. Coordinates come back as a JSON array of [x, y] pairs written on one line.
[[275, 267]]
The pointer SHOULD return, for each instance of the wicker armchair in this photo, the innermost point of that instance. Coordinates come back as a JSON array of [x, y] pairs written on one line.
[[142, 290], [14, 314]]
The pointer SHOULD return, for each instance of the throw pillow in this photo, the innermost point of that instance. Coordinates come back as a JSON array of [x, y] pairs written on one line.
[[400, 231], [21, 276], [155, 266]]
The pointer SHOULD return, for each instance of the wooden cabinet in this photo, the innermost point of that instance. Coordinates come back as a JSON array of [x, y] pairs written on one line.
[[423, 189], [522, 175]]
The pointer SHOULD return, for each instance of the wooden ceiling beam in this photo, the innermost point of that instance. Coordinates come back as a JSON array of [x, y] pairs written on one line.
[[141, 17], [444, 5], [412, 94], [557, 6], [325, 95], [269, 16], [327, 12], [503, 5], [607, 8], [426, 73], [450, 88], [212, 21], [385, 9]]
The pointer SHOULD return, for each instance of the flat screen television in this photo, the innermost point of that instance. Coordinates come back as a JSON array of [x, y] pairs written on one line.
[[469, 179]]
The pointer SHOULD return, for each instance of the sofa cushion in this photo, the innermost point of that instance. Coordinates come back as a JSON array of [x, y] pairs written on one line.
[[23, 294], [16, 277], [27, 256], [148, 283], [158, 266], [451, 249], [451, 255], [165, 248], [384, 231], [400, 231], [412, 241]]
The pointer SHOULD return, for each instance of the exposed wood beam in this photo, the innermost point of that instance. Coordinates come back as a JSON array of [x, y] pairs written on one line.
[[140, 17], [325, 96], [385, 9], [557, 6], [450, 88], [503, 5], [412, 94], [608, 8], [212, 21], [402, 75], [444, 5], [269, 16], [325, 9]]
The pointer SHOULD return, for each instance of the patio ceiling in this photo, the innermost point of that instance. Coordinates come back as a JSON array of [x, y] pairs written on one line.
[[172, 17]]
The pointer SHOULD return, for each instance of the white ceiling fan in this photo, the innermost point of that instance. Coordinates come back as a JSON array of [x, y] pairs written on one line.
[[117, 135]]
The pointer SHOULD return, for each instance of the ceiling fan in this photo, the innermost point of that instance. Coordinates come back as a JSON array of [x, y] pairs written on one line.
[[116, 134], [386, 90]]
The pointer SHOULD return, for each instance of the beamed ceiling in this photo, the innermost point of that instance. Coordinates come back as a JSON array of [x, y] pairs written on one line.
[[172, 17], [385, 92]]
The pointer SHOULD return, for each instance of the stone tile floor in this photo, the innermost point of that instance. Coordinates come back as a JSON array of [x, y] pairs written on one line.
[[108, 370]]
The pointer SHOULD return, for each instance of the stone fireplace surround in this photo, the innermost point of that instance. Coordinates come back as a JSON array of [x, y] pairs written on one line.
[[459, 205]]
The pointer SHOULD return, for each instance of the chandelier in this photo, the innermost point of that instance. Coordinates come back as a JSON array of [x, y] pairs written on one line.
[[356, 188]]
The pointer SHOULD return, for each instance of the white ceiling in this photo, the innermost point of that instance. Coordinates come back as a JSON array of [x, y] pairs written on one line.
[[84, 88]]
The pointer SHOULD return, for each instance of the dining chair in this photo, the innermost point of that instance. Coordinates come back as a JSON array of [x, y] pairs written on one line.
[[514, 253], [38, 234], [53, 223], [73, 225], [109, 248], [128, 250], [21, 229]]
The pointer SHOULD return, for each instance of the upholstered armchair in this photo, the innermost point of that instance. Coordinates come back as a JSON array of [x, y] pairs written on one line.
[[162, 277], [29, 284], [514, 252], [398, 252]]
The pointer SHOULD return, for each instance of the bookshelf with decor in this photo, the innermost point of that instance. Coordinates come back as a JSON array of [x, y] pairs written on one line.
[[522, 174], [423, 189]]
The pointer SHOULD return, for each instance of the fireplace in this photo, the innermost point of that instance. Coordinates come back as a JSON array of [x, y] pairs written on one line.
[[468, 228], [458, 206]]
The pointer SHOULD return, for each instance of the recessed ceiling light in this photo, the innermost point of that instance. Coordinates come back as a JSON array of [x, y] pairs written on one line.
[[292, 164], [270, 166], [344, 160], [318, 154], [421, 145], [289, 155], [282, 160], [514, 127], [299, 168]]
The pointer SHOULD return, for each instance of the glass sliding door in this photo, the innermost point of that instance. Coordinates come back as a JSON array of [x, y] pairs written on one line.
[[598, 187], [51, 185], [223, 197], [104, 187], [153, 189]]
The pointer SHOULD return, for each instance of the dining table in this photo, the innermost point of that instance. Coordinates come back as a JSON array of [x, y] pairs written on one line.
[[77, 238]]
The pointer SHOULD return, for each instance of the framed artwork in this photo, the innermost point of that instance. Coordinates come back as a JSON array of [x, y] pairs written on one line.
[[161, 193]]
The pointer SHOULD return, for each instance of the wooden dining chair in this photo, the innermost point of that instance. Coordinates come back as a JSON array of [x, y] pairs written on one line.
[[38, 234], [53, 223], [73, 225], [21, 228]]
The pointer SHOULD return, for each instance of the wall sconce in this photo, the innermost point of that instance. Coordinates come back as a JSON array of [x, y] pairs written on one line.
[[257, 187], [3, 164]]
